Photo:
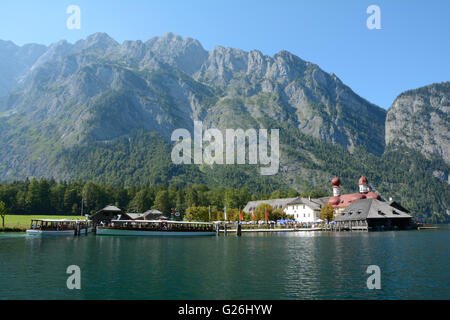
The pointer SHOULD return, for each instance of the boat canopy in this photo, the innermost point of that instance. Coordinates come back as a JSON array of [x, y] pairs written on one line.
[[59, 220], [161, 221]]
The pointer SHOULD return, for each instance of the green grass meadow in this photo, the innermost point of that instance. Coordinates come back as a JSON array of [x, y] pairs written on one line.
[[24, 222]]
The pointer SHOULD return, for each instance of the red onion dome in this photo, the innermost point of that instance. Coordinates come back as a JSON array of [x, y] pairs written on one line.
[[336, 182], [362, 180]]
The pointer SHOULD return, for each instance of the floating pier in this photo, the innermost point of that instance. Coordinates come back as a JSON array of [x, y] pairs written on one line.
[[426, 228], [334, 227], [238, 231]]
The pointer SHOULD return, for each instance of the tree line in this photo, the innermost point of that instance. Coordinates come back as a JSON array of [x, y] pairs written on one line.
[[68, 197]]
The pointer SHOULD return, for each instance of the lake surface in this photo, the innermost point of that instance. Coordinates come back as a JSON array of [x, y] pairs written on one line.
[[302, 265]]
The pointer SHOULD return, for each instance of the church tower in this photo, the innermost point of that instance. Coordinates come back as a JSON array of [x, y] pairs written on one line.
[[363, 185], [336, 182]]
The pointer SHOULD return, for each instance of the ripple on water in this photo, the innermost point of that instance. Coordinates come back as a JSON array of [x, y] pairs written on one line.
[[9, 235], [314, 265]]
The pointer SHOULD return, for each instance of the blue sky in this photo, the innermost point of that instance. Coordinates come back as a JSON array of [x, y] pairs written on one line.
[[411, 49]]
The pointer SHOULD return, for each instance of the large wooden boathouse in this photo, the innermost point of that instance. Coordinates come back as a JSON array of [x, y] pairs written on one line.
[[107, 214], [373, 214]]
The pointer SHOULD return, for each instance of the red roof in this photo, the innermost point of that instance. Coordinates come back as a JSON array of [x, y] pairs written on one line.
[[372, 195], [347, 199], [334, 201]]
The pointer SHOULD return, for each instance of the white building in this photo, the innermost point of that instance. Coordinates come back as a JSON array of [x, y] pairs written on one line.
[[302, 210], [305, 210], [274, 203]]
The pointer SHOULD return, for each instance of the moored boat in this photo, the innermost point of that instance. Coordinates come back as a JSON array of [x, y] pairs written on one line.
[[156, 228], [59, 227]]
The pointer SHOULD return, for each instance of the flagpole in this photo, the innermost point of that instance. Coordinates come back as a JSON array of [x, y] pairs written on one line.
[[267, 218]]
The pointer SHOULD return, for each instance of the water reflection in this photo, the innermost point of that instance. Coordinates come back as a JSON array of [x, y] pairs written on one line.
[[301, 265]]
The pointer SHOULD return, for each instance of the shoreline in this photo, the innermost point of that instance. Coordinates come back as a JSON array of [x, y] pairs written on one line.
[[273, 230], [434, 227], [12, 230]]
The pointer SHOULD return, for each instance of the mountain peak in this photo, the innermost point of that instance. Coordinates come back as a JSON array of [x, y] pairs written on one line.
[[174, 39], [289, 57], [170, 35], [8, 44], [100, 37], [99, 40], [187, 54]]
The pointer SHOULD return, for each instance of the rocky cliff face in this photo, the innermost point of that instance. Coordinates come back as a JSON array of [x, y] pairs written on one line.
[[419, 119], [287, 88], [15, 61], [99, 89], [85, 110]]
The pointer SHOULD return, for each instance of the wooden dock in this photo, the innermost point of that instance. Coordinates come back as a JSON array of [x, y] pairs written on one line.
[[346, 228], [222, 231], [426, 228]]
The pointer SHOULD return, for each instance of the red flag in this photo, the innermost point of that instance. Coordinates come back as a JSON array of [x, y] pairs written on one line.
[[267, 217], [253, 214], [242, 218]]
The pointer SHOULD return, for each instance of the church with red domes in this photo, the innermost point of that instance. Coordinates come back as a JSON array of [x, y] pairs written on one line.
[[340, 201], [352, 211]]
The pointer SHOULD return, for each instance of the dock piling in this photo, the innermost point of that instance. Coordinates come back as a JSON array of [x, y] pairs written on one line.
[[239, 230]]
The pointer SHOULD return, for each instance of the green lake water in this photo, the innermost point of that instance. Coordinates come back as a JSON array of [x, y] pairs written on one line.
[[302, 265]]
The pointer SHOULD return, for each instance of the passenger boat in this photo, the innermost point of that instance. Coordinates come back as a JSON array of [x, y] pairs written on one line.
[[59, 227], [156, 228]]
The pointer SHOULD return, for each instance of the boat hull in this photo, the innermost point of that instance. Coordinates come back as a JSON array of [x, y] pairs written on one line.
[[33, 232], [123, 232], [50, 233]]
